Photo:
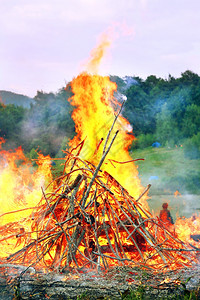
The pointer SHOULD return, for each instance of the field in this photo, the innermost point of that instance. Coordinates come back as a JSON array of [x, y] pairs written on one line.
[[168, 171]]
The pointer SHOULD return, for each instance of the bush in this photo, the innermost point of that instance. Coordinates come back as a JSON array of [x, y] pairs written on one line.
[[191, 147], [143, 141]]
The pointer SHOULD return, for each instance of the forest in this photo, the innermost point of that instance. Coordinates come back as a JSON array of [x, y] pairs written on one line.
[[166, 111]]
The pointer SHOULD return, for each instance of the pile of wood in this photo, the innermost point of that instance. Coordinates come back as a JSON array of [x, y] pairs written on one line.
[[86, 219]]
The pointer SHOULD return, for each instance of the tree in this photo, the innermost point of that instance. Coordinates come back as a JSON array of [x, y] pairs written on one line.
[[135, 109], [191, 120], [189, 78], [192, 147], [48, 122], [11, 117], [166, 127]]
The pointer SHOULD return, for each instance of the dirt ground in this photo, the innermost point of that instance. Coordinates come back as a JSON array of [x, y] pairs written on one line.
[[116, 283]]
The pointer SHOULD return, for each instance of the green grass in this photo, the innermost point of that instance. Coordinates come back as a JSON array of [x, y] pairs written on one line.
[[173, 169], [144, 293]]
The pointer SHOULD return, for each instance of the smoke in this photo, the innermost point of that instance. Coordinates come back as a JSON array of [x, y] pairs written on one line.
[[47, 124], [130, 81]]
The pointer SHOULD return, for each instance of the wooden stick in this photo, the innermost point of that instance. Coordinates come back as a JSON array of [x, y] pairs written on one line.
[[134, 242], [138, 226], [97, 169], [96, 238], [108, 239], [111, 128], [145, 191], [113, 232], [117, 233]]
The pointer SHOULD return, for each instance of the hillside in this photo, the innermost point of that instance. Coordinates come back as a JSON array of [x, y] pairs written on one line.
[[16, 99], [168, 170]]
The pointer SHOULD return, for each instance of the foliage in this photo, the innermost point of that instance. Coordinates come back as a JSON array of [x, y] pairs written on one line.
[[169, 108], [11, 117], [43, 126], [16, 99], [191, 120], [192, 147], [172, 169], [121, 84], [143, 141], [166, 129], [163, 110]]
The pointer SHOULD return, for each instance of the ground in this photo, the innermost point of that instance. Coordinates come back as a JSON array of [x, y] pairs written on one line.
[[117, 283]]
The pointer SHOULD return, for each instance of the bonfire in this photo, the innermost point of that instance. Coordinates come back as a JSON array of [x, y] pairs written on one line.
[[95, 214]]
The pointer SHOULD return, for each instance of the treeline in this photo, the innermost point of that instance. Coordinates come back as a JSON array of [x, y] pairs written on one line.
[[46, 126], [162, 110], [165, 111]]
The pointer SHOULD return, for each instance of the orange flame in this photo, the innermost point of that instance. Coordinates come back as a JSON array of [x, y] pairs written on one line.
[[188, 227], [98, 53], [95, 111], [177, 193], [20, 184], [20, 193]]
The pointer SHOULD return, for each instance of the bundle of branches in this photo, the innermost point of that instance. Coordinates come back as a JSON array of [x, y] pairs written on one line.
[[86, 219]]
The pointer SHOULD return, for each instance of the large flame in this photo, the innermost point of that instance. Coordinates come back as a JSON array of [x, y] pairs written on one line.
[[95, 112], [188, 228], [20, 189], [20, 183]]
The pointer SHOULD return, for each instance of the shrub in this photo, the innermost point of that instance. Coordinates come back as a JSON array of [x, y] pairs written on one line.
[[143, 141], [191, 147]]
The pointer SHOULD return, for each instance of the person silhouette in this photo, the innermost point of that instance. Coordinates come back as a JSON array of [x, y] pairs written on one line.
[[165, 215]]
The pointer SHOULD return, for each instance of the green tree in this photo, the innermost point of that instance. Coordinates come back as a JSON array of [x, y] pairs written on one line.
[[48, 121], [189, 78], [136, 110], [11, 117], [191, 120], [192, 147], [166, 127]]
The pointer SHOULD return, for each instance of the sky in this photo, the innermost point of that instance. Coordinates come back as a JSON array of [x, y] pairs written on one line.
[[44, 43]]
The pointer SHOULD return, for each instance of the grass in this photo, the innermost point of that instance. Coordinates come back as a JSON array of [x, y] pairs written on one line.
[[144, 293], [168, 170]]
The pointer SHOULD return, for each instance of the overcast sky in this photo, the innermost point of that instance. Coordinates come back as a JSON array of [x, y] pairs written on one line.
[[43, 43]]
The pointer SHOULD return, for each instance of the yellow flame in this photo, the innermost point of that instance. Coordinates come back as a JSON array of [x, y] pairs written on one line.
[[95, 111], [98, 53], [20, 184], [186, 227]]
